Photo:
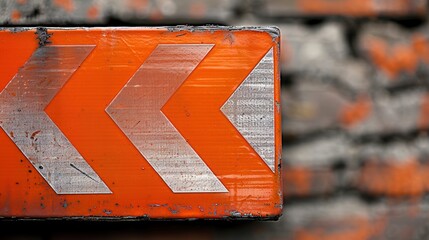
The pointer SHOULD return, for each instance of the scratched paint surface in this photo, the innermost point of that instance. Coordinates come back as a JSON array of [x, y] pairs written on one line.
[[251, 109], [137, 111], [82, 110], [24, 120]]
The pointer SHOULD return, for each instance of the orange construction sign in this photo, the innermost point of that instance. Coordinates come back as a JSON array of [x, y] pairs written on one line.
[[152, 123]]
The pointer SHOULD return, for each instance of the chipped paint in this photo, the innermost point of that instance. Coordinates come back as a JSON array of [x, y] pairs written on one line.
[[235, 213], [273, 31], [23, 116], [15, 29], [43, 36]]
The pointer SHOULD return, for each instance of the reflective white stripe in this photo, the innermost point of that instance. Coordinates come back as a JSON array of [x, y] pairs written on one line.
[[137, 112], [22, 116], [251, 109]]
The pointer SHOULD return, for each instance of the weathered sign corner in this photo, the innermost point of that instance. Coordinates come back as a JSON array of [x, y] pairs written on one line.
[[274, 31]]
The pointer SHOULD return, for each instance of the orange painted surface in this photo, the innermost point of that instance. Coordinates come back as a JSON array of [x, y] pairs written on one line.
[[138, 5], [350, 7], [394, 59], [356, 112], [423, 120], [302, 182], [67, 5], [395, 179], [15, 16], [362, 7], [79, 112], [297, 180], [92, 12]]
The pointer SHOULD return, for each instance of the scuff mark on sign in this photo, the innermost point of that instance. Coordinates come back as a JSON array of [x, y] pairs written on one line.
[[84, 173], [235, 213], [173, 211], [229, 37], [65, 204], [158, 205], [43, 36]]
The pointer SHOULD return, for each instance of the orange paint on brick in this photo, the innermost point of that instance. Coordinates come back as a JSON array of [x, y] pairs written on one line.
[[67, 5], [92, 12], [301, 181], [378, 53], [407, 58], [198, 9], [393, 60], [394, 179], [356, 112], [402, 7], [138, 5], [297, 181], [347, 7], [15, 16], [421, 47], [361, 7], [156, 15], [423, 121]]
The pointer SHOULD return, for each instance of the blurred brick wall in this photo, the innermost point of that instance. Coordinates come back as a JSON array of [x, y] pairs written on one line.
[[355, 101]]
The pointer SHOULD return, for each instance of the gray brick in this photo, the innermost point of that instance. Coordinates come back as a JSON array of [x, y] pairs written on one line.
[[311, 106], [52, 12], [399, 113], [322, 151], [169, 10], [313, 50]]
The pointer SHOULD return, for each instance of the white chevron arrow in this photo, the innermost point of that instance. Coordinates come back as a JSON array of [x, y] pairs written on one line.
[[251, 109], [22, 116], [137, 112]]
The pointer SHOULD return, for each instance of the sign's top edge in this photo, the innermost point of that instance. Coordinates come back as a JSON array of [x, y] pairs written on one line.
[[272, 30]]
